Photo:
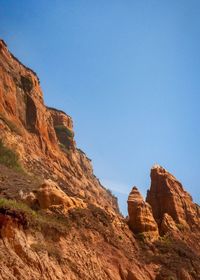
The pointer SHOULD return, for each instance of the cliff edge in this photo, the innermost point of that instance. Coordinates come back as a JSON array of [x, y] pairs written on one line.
[[56, 219]]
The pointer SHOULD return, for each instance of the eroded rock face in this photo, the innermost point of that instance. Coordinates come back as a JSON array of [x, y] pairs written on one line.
[[141, 219], [50, 195], [167, 225], [43, 137], [166, 195], [63, 126]]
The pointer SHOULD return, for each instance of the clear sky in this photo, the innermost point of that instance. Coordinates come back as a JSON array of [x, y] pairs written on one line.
[[127, 71]]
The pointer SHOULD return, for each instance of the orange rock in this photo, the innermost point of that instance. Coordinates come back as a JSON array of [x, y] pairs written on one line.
[[63, 126], [168, 224], [49, 195], [43, 137], [166, 195], [140, 215]]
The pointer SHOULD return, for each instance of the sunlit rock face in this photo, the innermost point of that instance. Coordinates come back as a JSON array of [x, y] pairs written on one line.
[[166, 195], [43, 137], [168, 207], [141, 219]]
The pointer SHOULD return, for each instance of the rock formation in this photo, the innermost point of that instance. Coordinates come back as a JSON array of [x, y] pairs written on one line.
[[167, 225], [141, 219], [63, 126], [168, 206], [43, 137], [166, 195], [50, 196], [56, 219]]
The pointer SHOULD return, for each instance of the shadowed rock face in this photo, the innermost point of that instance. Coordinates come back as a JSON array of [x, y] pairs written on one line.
[[141, 219], [63, 126]]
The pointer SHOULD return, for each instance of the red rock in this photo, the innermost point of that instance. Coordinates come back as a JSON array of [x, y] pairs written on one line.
[[63, 126], [167, 225], [49, 195], [141, 219], [43, 137], [166, 195]]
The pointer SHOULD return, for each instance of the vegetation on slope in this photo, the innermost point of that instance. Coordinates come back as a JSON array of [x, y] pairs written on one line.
[[9, 158]]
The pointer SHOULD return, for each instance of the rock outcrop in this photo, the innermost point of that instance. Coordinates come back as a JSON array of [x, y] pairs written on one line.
[[167, 224], [166, 195], [168, 207], [50, 196], [63, 126], [43, 137], [141, 219]]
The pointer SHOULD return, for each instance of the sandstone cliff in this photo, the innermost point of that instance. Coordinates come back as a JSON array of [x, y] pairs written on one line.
[[43, 137], [166, 195], [141, 218], [56, 219]]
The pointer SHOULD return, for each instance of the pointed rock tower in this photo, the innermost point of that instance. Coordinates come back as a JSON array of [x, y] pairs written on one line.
[[167, 196], [141, 219]]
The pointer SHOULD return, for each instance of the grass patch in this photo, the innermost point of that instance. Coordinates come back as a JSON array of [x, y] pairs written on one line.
[[65, 137], [35, 219], [9, 158], [64, 129]]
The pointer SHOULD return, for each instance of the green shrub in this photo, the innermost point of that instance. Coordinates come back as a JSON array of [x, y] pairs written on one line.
[[64, 129], [9, 158], [165, 241], [141, 236], [181, 227], [30, 218]]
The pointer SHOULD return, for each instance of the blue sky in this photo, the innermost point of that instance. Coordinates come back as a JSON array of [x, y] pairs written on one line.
[[127, 72]]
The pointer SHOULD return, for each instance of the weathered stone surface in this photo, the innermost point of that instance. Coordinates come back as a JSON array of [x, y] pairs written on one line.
[[63, 126], [166, 195], [50, 196], [140, 215], [168, 224], [43, 137]]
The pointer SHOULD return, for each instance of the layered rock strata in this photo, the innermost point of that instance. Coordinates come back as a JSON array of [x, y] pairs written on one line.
[[141, 219], [168, 206], [166, 195], [43, 137]]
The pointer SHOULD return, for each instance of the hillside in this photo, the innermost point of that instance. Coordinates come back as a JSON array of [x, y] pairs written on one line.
[[56, 219]]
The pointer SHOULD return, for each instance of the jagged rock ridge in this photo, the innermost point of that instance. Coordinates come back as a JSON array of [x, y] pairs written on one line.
[[167, 205]]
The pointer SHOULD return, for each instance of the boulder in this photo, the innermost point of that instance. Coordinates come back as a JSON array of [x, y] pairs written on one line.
[[50, 196]]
